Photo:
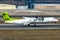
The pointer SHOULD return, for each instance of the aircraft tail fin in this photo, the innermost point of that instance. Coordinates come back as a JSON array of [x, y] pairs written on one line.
[[6, 16]]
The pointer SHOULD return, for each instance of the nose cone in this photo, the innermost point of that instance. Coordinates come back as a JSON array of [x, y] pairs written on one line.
[[56, 20]]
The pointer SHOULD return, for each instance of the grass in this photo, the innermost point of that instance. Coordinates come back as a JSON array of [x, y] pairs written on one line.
[[39, 34]]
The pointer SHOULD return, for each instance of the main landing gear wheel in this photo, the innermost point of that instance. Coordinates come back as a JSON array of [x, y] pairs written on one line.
[[28, 24]]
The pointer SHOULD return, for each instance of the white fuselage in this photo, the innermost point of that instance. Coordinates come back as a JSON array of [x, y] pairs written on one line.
[[21, 21], [28, 20], [48, 19]]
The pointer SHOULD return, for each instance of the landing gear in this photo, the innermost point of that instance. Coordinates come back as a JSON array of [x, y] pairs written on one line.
[[35, 21], [42, 18], [55, 22], [35, 24], [28, 24]]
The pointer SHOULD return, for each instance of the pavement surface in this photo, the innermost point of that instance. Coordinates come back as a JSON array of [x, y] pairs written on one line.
[[29, 13], [21, 27]]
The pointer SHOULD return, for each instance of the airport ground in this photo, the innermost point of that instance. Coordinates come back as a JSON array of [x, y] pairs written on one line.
[[31, 34], [39, 34]]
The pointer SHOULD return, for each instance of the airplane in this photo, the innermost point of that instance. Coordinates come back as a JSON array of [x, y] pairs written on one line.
[[26, 20]]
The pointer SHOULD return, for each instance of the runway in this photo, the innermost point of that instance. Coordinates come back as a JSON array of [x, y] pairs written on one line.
[[22, 27]]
